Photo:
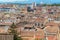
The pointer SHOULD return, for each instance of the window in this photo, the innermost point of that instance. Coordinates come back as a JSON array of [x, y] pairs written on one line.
[[37, 24], [41, 24]]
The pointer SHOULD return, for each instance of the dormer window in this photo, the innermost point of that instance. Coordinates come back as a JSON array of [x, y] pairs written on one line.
[[37, 24]]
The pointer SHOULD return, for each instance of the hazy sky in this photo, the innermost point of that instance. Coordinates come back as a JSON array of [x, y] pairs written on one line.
[[11, 0], [37, 1]]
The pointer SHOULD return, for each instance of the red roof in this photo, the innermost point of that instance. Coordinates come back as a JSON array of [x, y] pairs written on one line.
[[52, 38], [38, 36]]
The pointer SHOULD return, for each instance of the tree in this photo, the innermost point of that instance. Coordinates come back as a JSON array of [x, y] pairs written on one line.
[[13, 31], [36, 38], [42, 39]]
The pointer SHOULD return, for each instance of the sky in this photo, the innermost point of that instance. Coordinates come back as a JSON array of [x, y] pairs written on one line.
[[30, 1]]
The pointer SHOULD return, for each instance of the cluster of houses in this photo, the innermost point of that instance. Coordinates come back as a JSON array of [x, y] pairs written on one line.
[[33, 22]]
